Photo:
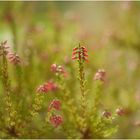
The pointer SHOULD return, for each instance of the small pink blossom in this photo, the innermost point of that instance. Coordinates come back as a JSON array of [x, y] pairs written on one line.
[[55, 104], [58, 69], [56, 120], [100, 75], [13, 58], [42, 88], [106, 114], [49, 86], [54, 68], [120, 111]]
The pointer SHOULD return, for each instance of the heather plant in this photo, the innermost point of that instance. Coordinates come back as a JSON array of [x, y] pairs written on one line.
[[85, 122], [10, 118], [51, 87]]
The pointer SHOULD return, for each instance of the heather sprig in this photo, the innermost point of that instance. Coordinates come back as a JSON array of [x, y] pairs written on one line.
[[102, 125], [68, 105], [80, 54], [11, 113]]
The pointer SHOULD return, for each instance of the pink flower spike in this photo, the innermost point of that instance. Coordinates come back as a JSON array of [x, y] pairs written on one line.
[[80, 53]]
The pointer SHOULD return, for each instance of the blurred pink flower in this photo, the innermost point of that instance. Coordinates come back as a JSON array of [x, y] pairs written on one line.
[[100, 75], [42, 88], [49, 86], [58, 69], [55, 104], [56, 120], [106, 114], [120, 111], [13, 58], [54, 68]]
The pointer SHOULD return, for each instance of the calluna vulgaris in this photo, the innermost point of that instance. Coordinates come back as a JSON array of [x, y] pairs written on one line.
[[71, 116]]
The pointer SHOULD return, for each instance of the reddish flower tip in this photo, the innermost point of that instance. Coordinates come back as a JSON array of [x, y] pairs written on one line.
[[76, 48], [80, 53]]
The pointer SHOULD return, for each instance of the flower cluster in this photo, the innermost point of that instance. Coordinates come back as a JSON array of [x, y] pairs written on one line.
[[80, 53], [100, 75], [56, 120], [49, 86], [119, 112], [58, 69], [12, 57], [55, 104], [55, 68]]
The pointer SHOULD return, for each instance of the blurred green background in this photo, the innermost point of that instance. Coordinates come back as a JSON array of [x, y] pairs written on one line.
[[43, 33]]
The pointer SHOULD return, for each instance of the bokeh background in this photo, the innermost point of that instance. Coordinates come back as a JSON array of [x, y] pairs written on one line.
[[43, 33]]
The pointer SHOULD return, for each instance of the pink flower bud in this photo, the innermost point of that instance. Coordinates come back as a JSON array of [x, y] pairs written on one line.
[[42, 88], [58, 69], [13, 58], [53, 67], [56, 120], [106, 114], [49, 86], [120, 111], [100, 75], [55, 104]]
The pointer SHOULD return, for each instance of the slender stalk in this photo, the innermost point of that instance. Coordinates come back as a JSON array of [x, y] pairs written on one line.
[[80, 54], [11, 113]]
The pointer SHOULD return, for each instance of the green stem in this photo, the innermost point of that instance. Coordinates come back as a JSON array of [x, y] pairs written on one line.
[[83, 97]]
